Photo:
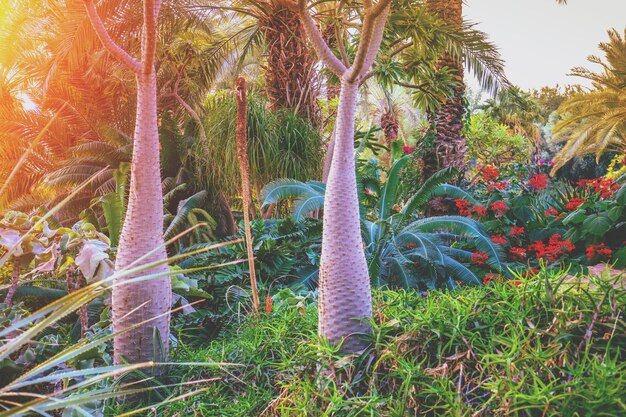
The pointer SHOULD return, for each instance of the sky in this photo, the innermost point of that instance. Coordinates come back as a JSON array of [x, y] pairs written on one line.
[[541, 40]]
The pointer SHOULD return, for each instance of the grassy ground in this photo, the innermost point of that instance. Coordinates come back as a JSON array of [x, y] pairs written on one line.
[[544, 348]]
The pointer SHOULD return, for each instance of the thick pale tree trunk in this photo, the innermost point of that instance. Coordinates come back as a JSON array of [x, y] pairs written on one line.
[[141, 240], [142, 233], [344, 284]]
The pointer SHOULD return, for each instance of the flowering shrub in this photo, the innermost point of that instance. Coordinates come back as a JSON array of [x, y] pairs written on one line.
[[499, 208], [604, 187], [554, 250], [499, 239], [599, 251], [551, 212], [464, 206], [502, 185], [516, 231], [488, 173], [480, 258], [538, 181], [492, 278], [480, 211], [537, 224], [574, 203], [518, 254]]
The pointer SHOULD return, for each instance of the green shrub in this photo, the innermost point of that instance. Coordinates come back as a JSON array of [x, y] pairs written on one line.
[[549, 347]]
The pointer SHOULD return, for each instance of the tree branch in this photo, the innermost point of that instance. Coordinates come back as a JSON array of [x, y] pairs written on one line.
[[421, 87], [378, 9], [342, 46], [402, 48], [377, 37], [317, 40], [371, 37], [339, 36], [118, 52]]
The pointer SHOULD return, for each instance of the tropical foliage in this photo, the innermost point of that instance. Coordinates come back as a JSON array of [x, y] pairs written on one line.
[[300, 208]]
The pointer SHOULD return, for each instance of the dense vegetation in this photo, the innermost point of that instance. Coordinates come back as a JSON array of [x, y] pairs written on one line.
[[293, 208]]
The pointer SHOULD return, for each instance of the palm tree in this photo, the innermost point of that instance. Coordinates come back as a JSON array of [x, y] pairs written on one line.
[[141, 239], [595, 121], [273, 28], [412, 60], [345, 290], [449, 148]]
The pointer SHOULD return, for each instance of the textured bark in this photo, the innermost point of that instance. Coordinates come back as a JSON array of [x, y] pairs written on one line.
[[344, 284], [290, 75], [244, 165], [328, 159], [332, 92], [449, 148], [141, 240], [15, 281], [142, 233], [390, 125]]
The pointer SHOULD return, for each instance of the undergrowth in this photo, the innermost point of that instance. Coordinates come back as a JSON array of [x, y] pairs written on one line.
[[548, 347]]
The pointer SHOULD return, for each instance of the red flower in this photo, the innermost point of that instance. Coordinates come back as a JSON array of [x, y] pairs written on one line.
[[598, 250], [491, 277], [499, 208], [574, 203], [538, 181], [480, 211], [411, 245], [488, 173], [518, 254], [604, 187], [407, 149], [497, 185], [516, 231], [554, 250], [551, 212], [464, 207], [517, 282], [499, 239], [480, 258]]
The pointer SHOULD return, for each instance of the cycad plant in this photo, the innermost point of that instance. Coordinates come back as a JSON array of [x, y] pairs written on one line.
[[403, 249], [595, 122]]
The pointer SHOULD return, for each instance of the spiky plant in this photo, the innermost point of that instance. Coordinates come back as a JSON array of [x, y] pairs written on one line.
[[594, 122], [403, 249]]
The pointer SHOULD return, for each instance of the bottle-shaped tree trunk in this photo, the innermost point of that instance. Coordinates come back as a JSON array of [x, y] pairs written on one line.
[[344, 283], [143, 232], [141, 242]]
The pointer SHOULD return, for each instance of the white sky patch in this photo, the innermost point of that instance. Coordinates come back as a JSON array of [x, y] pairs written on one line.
[[542, 41]]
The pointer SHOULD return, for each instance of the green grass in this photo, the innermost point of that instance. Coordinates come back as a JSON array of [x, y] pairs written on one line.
[[499, 350]]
